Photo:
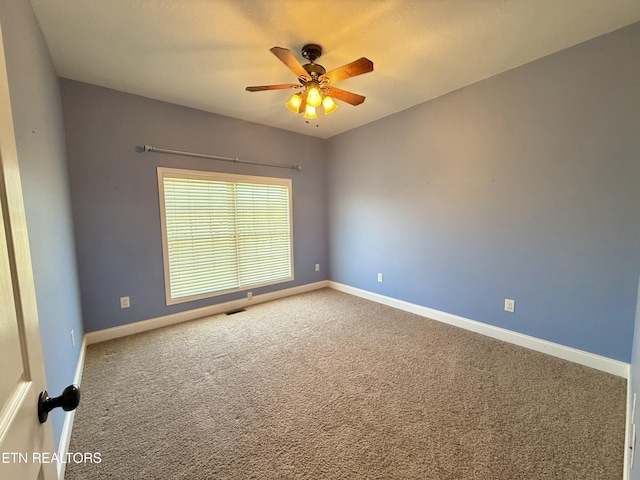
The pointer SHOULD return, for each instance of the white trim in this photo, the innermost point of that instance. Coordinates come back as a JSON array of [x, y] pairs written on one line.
[[172, 319], [599, 362], [627, 434], [67, 426]]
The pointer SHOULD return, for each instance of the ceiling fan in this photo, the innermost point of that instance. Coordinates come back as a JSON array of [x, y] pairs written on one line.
[[315, 85]]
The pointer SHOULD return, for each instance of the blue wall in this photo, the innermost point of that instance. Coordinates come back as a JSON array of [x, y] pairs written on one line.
[[115, 194], [522, 186], [38, 123]]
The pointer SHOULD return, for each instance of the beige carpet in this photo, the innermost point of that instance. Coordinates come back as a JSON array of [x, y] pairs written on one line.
[[329, 386]]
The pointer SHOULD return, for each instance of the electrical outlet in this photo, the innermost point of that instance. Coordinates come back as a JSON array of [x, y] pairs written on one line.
[[509, 305], [124, 302], [73, 340], [317, 267], [249, 295], [380, 277]]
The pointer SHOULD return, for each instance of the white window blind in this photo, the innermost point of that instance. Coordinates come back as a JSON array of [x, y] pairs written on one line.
[[223, 232]]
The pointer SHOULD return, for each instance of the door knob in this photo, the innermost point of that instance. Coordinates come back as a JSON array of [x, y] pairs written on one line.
[[69, 400]]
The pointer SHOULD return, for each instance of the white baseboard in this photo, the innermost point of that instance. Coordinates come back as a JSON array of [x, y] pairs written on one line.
[[172, 319], [605, 364], [67, 426], [599, 362]]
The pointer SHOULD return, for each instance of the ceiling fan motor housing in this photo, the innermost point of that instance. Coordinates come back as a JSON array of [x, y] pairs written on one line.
[[311, 52], [314, 70]]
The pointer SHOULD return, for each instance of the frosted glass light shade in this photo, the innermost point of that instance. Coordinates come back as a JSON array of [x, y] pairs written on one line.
[[310, 112], [329, 105], [294, 103], [313, 97]]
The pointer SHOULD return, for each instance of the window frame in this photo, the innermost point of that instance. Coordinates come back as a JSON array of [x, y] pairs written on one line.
[[166, 172]]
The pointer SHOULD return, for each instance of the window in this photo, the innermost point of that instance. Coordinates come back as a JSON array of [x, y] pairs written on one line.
[[223, 233]]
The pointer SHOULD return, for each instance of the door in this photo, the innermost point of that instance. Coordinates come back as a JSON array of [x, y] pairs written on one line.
[[26, 445]]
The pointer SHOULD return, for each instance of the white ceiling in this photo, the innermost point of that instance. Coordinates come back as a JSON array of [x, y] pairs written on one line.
[[203, 53]]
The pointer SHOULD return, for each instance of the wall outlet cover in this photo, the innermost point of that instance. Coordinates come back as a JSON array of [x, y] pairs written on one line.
[[509, 305], [124, 302]]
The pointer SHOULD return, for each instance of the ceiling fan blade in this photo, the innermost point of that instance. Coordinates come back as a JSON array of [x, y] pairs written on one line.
[[260, 88], [289, 59], [303, 104], [348, 97], [353, 69]]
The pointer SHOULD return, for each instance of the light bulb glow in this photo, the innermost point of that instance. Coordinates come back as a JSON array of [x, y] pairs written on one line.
[[294, 103], [310, 111], [313, 97], [329, 105]]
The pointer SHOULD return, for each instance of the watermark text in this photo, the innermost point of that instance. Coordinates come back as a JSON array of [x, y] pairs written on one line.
[[48, 457]]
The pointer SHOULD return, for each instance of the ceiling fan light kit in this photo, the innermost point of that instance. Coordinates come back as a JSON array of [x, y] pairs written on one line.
[[315, 87]]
